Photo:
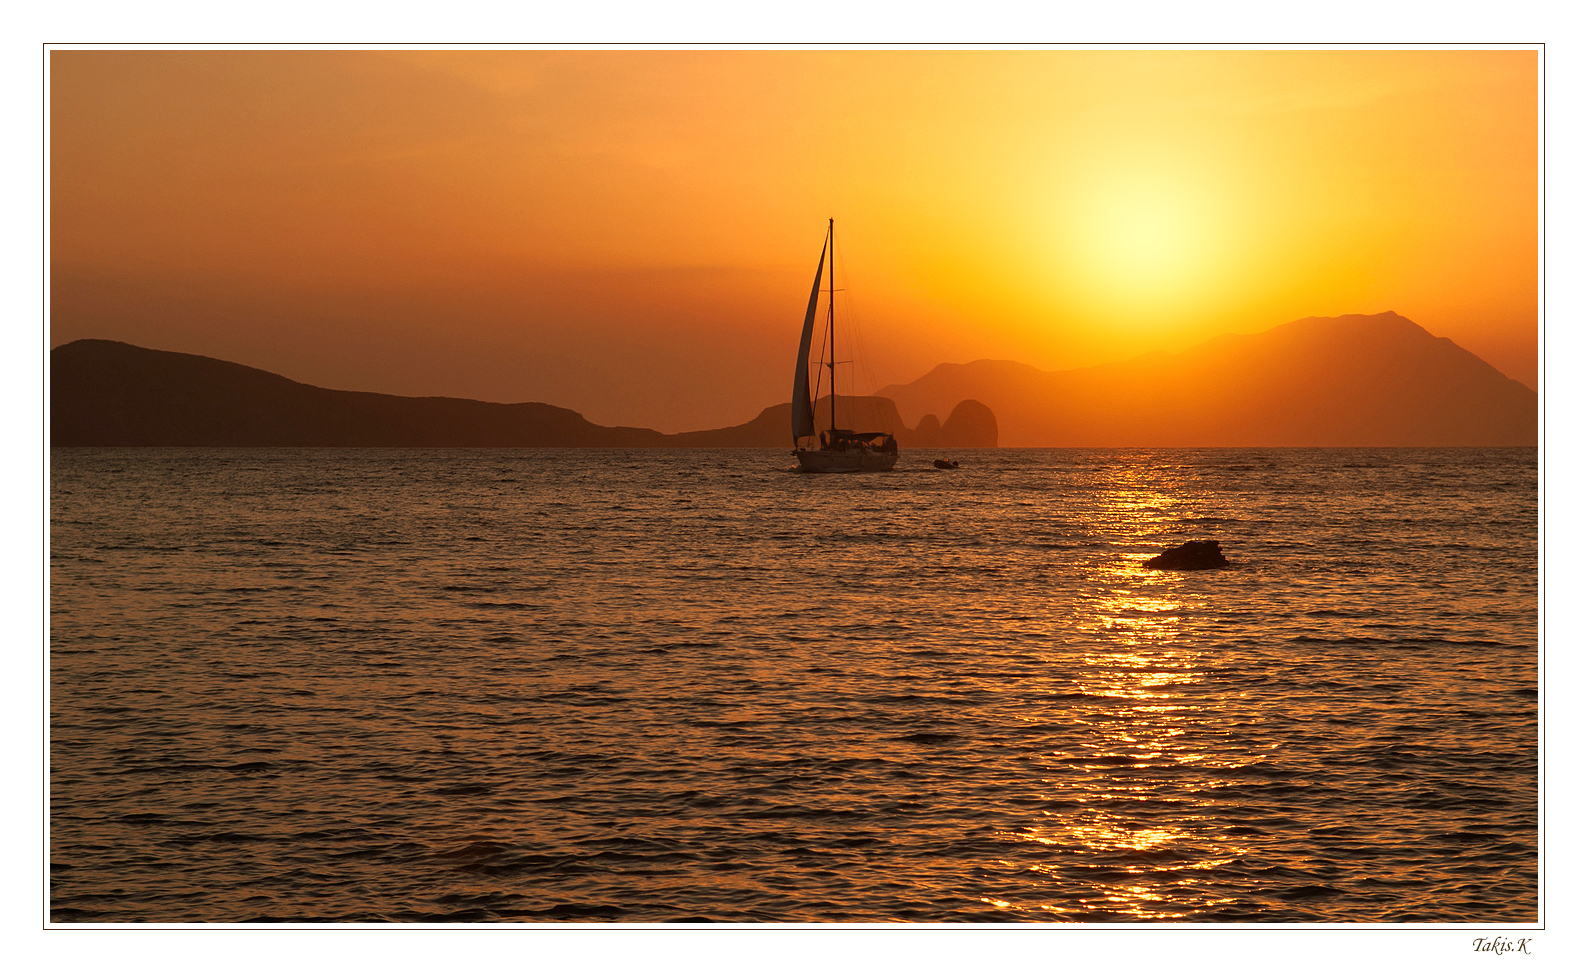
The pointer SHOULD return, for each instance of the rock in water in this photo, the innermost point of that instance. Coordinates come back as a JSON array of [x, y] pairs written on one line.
[[944, 464], [1191, 556], [970, 424]]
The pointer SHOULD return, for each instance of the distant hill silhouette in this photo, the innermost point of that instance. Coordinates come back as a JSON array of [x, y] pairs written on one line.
[[108, 393], [1355, 380]]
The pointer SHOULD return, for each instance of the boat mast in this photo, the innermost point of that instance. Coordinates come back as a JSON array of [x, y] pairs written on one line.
[[832, 349]]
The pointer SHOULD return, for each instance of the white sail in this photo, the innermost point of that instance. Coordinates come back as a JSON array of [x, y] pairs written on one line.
[[802, 410]]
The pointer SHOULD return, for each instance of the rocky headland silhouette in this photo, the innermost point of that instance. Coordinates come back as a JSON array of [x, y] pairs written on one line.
[[109, 393], [1354, 380]]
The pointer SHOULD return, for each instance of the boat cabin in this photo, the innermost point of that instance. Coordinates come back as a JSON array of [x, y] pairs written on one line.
[[843, 439]]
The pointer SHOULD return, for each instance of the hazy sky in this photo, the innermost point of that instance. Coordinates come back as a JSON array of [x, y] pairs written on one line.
[[633, 234]]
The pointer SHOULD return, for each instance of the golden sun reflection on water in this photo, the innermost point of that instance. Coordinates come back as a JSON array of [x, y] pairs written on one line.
[[1142, 696], [1143, 872]]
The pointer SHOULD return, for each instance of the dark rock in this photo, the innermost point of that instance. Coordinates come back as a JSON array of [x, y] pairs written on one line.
[[944, 464], [1191, 556]]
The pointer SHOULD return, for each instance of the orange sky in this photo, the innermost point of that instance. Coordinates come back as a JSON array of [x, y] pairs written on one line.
[[632, 234]]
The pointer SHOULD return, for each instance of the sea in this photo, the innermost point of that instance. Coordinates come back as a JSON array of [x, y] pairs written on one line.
[[693, 685]]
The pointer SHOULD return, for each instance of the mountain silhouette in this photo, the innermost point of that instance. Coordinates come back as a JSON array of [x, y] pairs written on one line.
[[1355, 380], [109, 393]]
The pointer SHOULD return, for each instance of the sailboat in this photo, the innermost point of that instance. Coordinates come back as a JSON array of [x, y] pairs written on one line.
[[835, 450]]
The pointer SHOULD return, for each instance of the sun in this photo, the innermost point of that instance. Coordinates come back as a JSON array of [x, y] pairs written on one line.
[[1144, 239], [1140, 246]]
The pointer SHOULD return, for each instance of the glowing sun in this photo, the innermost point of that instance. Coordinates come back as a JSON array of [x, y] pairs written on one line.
[[1141, 246]]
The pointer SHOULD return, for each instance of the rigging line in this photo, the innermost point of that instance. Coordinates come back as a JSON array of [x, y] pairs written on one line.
[[832, 256], [833, 290], [821, 359], [861, 366], [832, 302], [821, 364]]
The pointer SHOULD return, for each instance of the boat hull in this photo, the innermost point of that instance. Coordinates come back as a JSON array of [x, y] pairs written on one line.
[[845, 460]]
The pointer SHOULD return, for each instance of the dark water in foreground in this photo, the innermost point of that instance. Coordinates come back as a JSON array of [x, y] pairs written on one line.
[[645, 686]]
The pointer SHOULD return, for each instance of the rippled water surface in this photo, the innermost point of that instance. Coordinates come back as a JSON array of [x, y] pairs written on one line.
[[675, 685]]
